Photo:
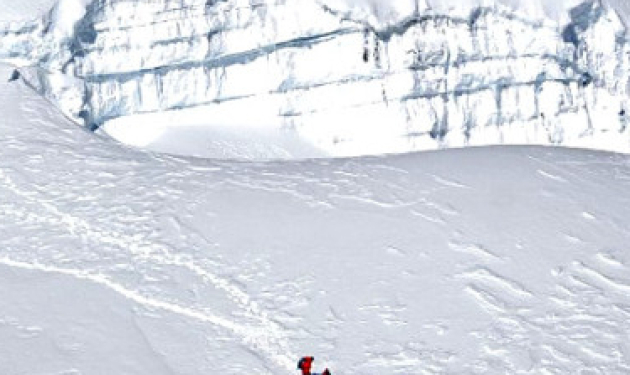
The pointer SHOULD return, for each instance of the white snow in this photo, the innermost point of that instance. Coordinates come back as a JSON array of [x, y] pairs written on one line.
[[343, 78], [17, 11], [487, 260], [384, 12], [65, 15]]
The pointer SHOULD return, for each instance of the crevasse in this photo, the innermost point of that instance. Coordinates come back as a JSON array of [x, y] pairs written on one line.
[[430, 80]]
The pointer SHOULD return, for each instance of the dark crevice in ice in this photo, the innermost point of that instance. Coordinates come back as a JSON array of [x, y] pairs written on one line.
[[222, 61]]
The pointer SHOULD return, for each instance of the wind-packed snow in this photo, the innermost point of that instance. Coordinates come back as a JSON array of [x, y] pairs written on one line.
[[343, 77], [18, 11], [487, 261], [503, 260]]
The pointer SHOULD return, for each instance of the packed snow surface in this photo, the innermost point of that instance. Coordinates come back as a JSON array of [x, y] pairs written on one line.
[[472, 261], [18, 11], [305, 78], [476, 261]]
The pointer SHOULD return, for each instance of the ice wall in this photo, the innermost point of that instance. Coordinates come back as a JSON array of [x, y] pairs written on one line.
[[351, 76]]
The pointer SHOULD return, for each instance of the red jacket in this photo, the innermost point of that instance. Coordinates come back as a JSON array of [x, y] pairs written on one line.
[[305, 365]]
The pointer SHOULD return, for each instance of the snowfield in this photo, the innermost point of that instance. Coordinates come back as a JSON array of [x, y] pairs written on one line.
[[489, 261], [114, 260]]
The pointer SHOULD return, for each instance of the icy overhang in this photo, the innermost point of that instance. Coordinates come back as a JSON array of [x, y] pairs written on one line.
[[306, 78]]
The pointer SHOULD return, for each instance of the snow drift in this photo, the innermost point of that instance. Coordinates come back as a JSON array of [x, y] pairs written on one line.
[[343, 77]]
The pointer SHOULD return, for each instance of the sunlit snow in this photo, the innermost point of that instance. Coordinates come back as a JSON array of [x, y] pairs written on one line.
[[116, 260], [344, 78]]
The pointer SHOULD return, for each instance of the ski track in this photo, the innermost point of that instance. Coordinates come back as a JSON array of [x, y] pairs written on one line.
[[269, 338], [257, 338], [551, 176]]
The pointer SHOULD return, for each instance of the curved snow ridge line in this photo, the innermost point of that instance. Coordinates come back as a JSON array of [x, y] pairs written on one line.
[[491, 278], [269, 332], [611, 282], [487, 300], [251, 336], [609, 259]]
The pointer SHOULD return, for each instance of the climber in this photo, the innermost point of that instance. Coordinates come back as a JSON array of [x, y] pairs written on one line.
[[305, 365]]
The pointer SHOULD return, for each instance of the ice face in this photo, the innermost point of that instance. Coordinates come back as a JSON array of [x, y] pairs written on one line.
[[349, 77]]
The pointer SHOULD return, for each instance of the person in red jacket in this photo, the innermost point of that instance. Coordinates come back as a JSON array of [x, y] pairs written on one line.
[[305, 365]]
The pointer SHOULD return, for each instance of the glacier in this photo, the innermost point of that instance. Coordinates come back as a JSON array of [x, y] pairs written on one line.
[[333, 75]]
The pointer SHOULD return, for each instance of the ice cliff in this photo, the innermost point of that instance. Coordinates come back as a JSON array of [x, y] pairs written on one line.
[[340, 76]]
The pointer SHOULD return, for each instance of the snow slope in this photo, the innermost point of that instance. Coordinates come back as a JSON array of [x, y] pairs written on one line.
[[18, 11], [477, 261], [342, 77]]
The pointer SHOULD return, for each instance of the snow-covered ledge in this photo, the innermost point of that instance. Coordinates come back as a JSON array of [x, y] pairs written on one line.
[[305, 78]]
